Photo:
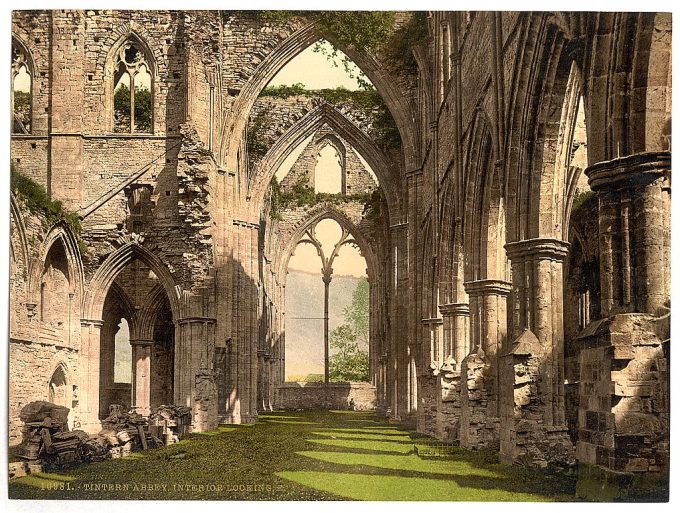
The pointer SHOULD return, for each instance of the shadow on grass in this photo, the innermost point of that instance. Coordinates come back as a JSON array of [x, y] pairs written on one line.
[[279, 458]]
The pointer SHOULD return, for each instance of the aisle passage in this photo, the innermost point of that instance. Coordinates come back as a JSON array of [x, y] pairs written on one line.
[[301, 456]]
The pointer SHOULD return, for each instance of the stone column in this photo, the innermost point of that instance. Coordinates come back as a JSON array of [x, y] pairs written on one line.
[[634, 239], [533, 423], [456, 317], [456, 323], [141, 376], [194, 383], [89, 387], [479, 369], [624, 381], [398, 383]]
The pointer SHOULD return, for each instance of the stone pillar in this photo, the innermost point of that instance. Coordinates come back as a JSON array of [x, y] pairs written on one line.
[[456, 319], [89, 388], [194, 384], [479, 369], [141, 376], [634, 215], [534, 430], [398, 383], [623, 426]]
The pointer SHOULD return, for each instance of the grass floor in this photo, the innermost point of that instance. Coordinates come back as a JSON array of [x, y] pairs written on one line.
[[299, 456]]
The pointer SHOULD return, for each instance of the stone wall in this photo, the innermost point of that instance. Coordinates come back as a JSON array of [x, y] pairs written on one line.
[[320, 396]]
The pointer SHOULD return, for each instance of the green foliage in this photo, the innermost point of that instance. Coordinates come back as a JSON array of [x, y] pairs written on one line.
[[302, 194], [143, 107], [580, 197], [375, 205], [398, 48], [363, 30], [121, 100], [368, 100], [143, 110], [313, 378], [37, 201], [350, 361], [255, 140], [22, 107]]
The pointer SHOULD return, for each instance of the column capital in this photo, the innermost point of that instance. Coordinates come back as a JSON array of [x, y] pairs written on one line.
[[454, 309], [196, 319], [638, 169], [432, 321], [141, 342], [487, 287], [92, 322], [542, 247]]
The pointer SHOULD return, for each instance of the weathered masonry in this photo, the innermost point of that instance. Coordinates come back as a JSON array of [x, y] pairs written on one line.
[[517, 243]]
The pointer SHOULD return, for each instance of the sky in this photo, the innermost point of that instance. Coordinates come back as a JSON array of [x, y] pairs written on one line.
[[314, 70]]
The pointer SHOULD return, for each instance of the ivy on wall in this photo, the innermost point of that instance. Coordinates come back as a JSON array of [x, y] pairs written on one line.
[[301, 194], [36, 199]]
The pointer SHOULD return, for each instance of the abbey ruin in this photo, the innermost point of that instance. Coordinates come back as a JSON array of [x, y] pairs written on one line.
[[516, 229]]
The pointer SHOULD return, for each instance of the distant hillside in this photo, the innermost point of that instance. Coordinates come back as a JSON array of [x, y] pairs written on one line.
[[304, 337]]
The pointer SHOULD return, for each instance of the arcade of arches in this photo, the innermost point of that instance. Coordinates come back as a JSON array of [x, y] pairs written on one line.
[[516, 239]]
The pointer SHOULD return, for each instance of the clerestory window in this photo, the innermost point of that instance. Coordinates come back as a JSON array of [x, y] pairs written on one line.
[[22, 80], [132, 91]]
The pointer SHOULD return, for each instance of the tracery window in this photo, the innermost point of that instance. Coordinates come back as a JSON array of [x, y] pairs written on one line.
[[22, 81], [132, 97]]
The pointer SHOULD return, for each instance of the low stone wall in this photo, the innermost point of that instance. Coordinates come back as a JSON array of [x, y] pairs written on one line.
[[334, 396]]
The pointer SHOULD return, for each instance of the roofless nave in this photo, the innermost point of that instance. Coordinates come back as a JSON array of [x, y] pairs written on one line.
[[517, 245]]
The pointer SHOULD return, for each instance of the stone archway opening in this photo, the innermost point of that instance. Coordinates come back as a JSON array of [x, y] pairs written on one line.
[[137, 343]]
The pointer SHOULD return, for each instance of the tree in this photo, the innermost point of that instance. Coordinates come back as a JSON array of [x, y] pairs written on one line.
[[350, 339]]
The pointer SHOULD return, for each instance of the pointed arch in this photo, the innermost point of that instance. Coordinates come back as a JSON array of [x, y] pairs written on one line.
[[18, 254], [339, 123], [148, 313], [547, 92], [100, 284], [116, 58], [22, 117], [318, 213], [287, 50], [59, 233]]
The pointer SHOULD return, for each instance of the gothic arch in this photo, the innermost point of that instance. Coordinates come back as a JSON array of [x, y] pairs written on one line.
[[126, 34], [148, 313], [288, 49], [18, 255], [480, 170], [318, 213], [628, 73], [546, 94], [338, 122], [103, 278], [59, 233]]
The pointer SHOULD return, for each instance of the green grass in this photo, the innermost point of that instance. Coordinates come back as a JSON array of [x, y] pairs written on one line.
[[299, 456]]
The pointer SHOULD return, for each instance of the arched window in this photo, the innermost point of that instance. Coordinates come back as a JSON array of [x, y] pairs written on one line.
[[328, 173], [58, 392], [22, 81], [132, 90]]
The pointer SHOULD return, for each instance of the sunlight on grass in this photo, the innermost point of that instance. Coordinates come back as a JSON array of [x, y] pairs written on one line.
[[394, 488], [407, 462], [292, 422], [367, 445], [369, 431], [364, 436]]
